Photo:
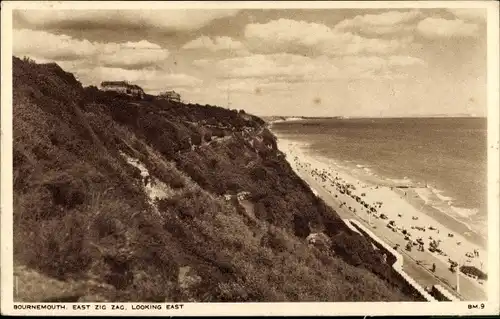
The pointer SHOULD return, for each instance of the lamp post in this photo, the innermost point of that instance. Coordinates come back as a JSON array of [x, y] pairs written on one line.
[[458, 276]]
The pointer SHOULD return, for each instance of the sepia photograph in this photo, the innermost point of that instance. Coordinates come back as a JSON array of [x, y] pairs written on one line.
[[179, 158]]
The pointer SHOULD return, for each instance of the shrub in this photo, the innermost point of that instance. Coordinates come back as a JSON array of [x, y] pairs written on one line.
[[275, 240], [258, 173], [168, 175], [61, 247], [207, 136], [67, 142], [300, 225], [196, 138]]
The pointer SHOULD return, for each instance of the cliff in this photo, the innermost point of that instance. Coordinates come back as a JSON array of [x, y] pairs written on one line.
[[121, 199]]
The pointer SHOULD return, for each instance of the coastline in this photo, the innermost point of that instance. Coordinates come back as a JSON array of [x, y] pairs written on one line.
[[422, 197], [412, 195], [402, 210], [449, 182]]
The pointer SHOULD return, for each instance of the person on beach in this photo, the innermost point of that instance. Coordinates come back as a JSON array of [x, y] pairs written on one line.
[[408, 246]]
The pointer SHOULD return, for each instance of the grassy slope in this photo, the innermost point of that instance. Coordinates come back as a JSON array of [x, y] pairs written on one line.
[[82, 217]]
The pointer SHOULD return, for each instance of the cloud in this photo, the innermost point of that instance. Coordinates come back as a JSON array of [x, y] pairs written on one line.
[[266, 66], [165, 20], [293, 36], [395, 61], [252, 86], [143, 44], [293, 68], [181, 80], [375, 67], [232, 86], [443, 28], [389, 22], [131, 56], [49, 46], [201, 63], [218, 43], [46, 46], [470, 14]]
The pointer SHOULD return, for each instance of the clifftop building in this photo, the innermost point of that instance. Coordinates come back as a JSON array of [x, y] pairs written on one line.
[[170, 96], [123, 87]]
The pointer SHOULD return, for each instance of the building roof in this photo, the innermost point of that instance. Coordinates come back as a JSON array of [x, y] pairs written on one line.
[[121, 83], [106, 83], [136, 87], [169, 92]]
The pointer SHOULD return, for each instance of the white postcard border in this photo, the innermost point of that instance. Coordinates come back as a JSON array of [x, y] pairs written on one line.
[[302, 308]]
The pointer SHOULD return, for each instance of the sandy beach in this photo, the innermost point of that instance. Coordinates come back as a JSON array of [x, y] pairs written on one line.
[[391, 211]]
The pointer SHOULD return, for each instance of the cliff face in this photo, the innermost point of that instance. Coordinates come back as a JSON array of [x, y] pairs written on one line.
[[120, 199]]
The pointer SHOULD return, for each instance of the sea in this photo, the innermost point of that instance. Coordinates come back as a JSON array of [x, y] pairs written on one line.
[[448, 156]]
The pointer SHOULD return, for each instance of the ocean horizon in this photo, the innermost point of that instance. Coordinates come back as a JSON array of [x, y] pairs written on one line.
[[448, 155]]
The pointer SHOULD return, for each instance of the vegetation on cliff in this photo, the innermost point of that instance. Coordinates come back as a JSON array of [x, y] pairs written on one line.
[[82, 217]]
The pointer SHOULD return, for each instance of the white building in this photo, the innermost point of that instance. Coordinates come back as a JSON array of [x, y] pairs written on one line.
[[123, 87], [170, 96]]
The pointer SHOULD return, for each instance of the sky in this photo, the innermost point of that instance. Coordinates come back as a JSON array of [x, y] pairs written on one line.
[[291, 62]]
